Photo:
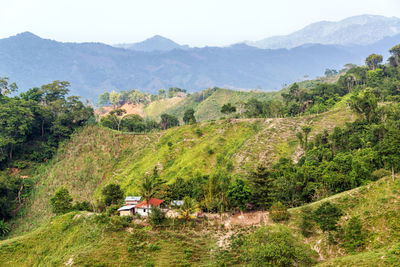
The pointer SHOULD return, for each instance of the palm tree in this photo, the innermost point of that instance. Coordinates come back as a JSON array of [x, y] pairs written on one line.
[[148, 188], [189, 206]]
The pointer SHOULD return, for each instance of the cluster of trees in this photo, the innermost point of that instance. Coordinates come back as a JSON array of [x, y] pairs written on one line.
[[117, 120], [382, 78], [32, 124], [135, 96]]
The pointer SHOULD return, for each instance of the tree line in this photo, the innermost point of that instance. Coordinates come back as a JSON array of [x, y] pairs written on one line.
[[32, 125]]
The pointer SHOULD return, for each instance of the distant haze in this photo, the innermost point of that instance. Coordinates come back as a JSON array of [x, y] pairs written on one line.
[[194, 22]]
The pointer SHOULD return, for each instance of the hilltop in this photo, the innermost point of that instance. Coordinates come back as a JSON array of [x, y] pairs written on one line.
[[93, 68], [363, 29]]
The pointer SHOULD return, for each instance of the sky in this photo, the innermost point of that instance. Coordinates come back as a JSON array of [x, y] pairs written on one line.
[[193, 22]]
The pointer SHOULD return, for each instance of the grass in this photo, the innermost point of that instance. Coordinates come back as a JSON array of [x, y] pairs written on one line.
[[97, 156], [377, 205], [207, 104], [85, 239]]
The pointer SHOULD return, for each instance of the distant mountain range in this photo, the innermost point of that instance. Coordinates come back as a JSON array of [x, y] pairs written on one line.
[[93, 68], [357, 30], [155, 43]]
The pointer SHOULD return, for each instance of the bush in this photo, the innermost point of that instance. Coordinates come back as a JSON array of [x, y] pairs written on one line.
[[112, 194], [156, 217], [306, 221], [112, 210], [327, 215], [355, 236], [4, 229], [84, 205], [61, 202], [278, 212], [277, 246]]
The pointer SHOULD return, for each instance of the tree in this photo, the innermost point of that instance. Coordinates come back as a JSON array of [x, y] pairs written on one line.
[[5, 87], [277, 246], [150, 185], [112, 194], [133, 123], [115, 98], [161, 93], [239, 194], [228, 108], [189, 207], [261, 184], [327, 215], [188, 117], [168, 121], [104, 99], [116, 116], [389, 147], [395, 58], [306, 130], [278, 212], [61, 202], [373, 61], [16, 120], [355, 235], [365, 104], [330, 72]]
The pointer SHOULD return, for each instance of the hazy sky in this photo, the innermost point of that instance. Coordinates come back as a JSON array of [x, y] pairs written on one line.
[[193, 22]]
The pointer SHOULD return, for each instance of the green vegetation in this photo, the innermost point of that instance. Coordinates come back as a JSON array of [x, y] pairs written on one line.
[[305, 149]]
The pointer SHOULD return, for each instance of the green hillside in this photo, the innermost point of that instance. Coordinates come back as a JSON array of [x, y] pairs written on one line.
[[87, 239], [207, 103], [97, 156]]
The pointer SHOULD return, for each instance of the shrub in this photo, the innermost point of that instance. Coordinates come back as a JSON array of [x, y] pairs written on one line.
[[118, 223], [278, 212], [156, 217], [61, 202], [277, 246], [112, 210], [327, 215], [355, 235], [4, 229], [154, 247], [112, 194], [306, 221], [84, 205]]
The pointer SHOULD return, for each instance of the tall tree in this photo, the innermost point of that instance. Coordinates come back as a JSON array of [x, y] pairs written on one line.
[[168, 121], [188, 117], [373, 61]]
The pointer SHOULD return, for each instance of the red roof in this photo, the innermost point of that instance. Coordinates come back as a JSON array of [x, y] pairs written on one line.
[[152, 202]]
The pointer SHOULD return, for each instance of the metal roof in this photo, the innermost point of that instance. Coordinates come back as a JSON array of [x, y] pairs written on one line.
[[134, 198], [153, 202], [177, 202], [127, 207]]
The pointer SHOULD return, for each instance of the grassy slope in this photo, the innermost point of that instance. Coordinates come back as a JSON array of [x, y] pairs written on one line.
[[377, 205], [82, 240], [98, 156], [207, 103]]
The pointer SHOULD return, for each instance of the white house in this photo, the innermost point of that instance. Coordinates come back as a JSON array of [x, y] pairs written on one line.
[[144, 208]]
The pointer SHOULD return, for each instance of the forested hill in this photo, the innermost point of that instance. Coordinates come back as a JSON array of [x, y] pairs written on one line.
[[93, 68], [322, 159]]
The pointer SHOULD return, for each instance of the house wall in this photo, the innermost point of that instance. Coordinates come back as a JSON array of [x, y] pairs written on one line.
[[125, 212]]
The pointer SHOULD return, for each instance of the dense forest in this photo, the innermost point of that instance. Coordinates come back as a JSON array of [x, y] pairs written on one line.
[[32, 125]]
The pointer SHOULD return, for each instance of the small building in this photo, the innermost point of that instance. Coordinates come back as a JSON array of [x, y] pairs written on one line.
[[127, 210], [177, 203], [144, 208], [129, 207], [132, 200]]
